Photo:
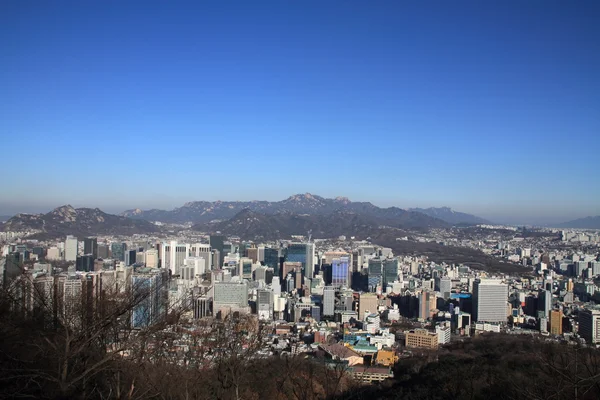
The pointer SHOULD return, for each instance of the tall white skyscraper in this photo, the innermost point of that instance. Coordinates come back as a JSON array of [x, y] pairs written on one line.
[[71, 248], [489, 300], [201, 250], [173, 256], [310, 259], [276, 284], [328, 300], [264, 304]]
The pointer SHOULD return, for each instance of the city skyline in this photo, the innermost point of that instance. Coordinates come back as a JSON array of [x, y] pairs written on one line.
[[490, 109]]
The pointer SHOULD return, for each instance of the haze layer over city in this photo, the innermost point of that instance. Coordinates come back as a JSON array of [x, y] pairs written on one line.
[[300, 200]]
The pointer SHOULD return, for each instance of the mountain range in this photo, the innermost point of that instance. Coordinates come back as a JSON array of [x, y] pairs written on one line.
[[249, 224], [582, 223], [204, 211], [450, 216], [66, 220]]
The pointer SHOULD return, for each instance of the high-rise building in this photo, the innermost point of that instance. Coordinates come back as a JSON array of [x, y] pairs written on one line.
[[194, 266], [391, 269], [252, 253], [90, 246], [216, 259], [230, 294], [589, 325], [151, 258], [340, 272], [130, 256], [261, 254], [580, 266], [70, 299], [71, 248], [556, 317], [289, 266], [328, 301], [545, 303], [260, 273], [201, 250], [118, 250], [276, 284], [489, 300], [173, 256], [246, 268], [444, 333], [152, 286], [218, 243], [303, 253], [445, 287], [427, 304], [367, 303], [84, 263], [264, 304], [570, 285], [375, 273], [271, 259], [103, 251], [53, 253], [202, 307]]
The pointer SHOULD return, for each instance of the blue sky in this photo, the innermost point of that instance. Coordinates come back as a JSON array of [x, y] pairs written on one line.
[[488, 108]]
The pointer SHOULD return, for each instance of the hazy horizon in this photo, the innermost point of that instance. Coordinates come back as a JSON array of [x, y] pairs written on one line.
[[488, 108], [492, 214]]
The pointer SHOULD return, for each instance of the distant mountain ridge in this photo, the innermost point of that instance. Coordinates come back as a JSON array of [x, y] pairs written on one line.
[[249, 224], [582, 223], [450, 216], [66, 220], [198, 212]]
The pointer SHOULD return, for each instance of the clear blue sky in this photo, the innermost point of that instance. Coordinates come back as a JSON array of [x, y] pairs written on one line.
[[489, 108]]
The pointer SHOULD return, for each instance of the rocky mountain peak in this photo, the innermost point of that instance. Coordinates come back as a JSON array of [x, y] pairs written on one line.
[[65, 213], [343, 200]]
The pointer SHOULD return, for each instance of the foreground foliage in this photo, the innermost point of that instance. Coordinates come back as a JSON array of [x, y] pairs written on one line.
[[494, 367]]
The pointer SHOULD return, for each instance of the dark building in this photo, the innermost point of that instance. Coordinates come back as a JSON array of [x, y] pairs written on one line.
[[327, 273], [85, 263], [315, 313], [24, 255], [118, 251], [38, 251], [228, 248], [269, 276], [130, 256], [390, 271], [103, 251], [375, 276], [271, 259], [13, 267], [216, 242], [90, 246]]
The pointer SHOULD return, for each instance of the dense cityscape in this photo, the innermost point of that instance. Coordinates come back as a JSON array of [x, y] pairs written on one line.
[[348, 302], [305, 200]]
